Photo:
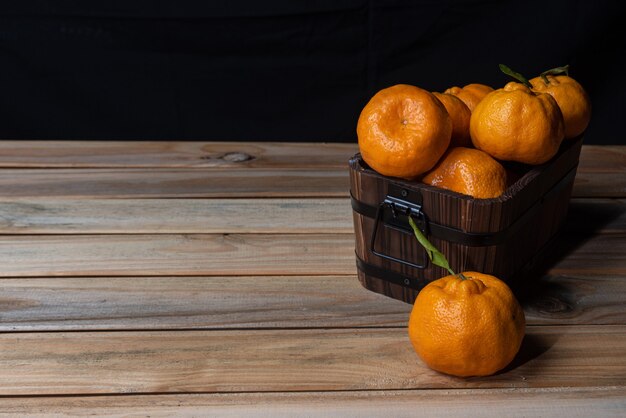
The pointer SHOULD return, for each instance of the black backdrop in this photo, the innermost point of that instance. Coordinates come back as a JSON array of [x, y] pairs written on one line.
[[278, 69]]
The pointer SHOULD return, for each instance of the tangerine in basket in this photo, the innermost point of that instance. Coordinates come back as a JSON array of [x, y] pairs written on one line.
[[467, 326], [460, 116], [516, 124], [403, 131], [571, 98], [468, 171], [471, 94]]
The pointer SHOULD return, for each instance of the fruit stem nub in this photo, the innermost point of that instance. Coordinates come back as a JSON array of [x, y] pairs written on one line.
[[506, 70]]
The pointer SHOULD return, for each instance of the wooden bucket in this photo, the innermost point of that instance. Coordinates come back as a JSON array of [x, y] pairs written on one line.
[[504, 236]]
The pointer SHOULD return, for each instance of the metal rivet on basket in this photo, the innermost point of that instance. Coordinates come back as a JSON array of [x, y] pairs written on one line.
[[407, 282], [404, 193]]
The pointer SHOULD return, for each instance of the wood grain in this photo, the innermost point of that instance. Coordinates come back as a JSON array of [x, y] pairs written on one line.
[[161, 216], [600, 185], [247, 254], [173, 183], [229, 216], [244, 254], [582, 402], [164, 154], [596, 216], [182, 183], [602, 159], [287, 360], [176, 254], [587, 254], [128, 154], [160, 303]]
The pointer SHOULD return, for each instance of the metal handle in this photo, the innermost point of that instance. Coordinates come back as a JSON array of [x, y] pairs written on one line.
[[399, 208]]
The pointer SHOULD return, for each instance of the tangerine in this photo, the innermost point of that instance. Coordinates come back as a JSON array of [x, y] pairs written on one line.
[[468, 171], [403, 131], [471, 94], [571, 98], [467, 325], [460, 116], [516, 124]]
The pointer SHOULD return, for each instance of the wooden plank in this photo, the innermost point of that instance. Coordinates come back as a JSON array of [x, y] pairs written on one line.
[[247, 254], [171, 182], [600, 185], [287, 360], [587, 254], [128, 154], [164, 154], [126, 216], [230, 216], [596, 216], [235, 182], [114, 303], [452, 403], [137, 303], [602, 159], [176, 254], [573, 299]]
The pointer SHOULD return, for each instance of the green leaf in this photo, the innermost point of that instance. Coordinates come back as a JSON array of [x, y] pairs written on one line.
[[506, 70], [554, 71], [436, 257]]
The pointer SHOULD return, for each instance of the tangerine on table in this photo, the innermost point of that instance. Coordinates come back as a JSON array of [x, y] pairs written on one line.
[[471, 94], [403, 131], [571, 98], [467, 327], [460, 116], [515, 124], [468, 171]]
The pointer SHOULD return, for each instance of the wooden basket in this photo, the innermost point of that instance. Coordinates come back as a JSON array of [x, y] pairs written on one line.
[[504, 236]]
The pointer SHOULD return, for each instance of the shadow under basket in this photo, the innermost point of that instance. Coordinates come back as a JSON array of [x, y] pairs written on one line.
[[505, 237]]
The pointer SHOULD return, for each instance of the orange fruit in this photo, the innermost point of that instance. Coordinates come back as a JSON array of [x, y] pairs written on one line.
[[460, 116], [471, 94], [468, 171], [571, 98], [467, 327], [403, 131], [515, 124]]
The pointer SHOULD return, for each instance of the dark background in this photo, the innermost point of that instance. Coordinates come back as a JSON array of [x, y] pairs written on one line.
[[281, 70]]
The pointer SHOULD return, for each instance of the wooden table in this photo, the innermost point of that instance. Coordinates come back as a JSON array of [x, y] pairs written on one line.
[[219, 279]]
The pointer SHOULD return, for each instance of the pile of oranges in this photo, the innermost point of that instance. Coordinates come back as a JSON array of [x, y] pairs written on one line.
[[456, 139]]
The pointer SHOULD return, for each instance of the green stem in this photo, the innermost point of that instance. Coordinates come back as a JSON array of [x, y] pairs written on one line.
[[436, 257], [506, 70], [554, 71]]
